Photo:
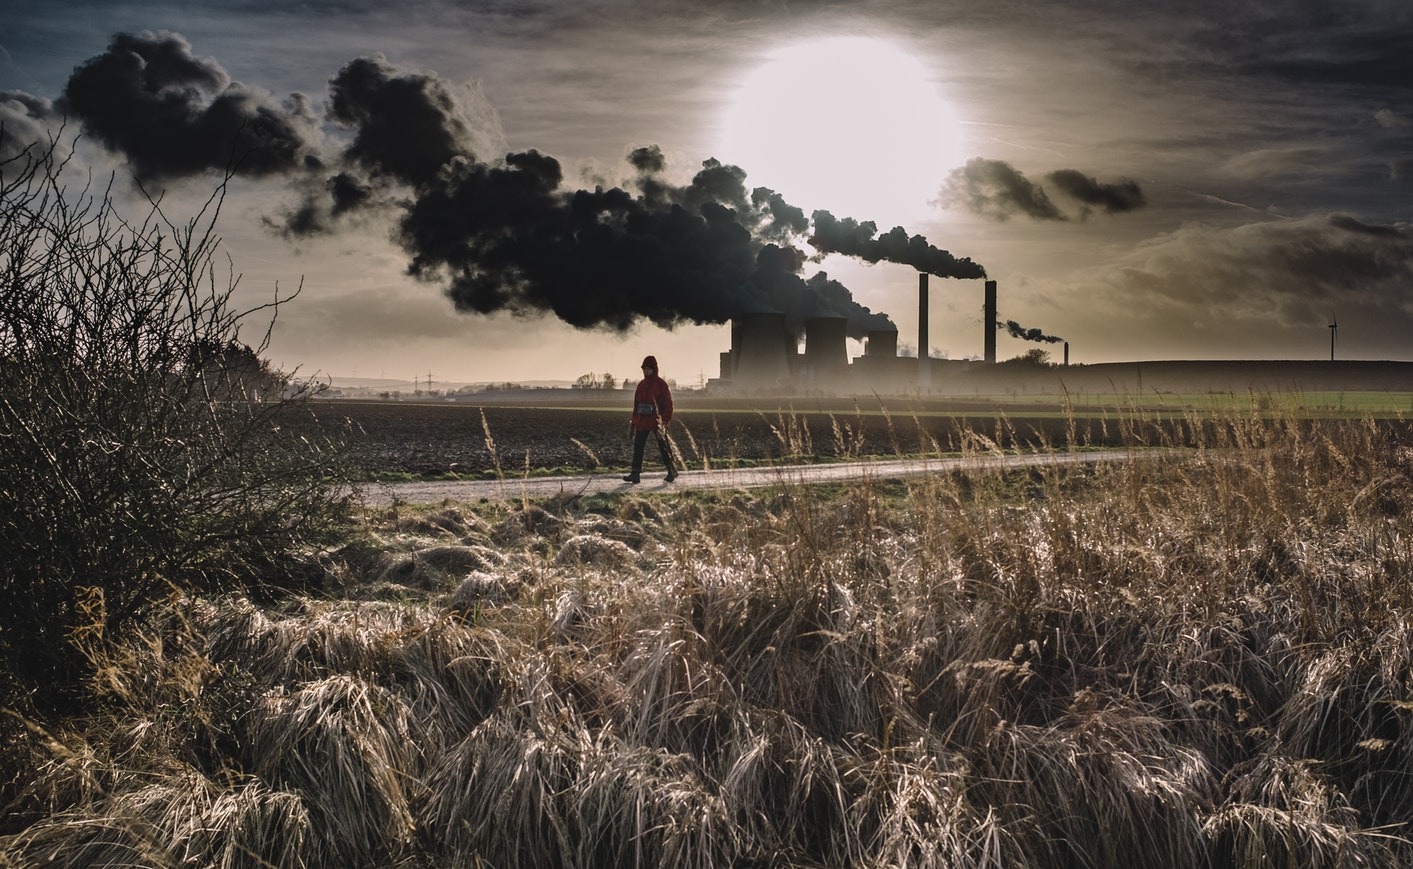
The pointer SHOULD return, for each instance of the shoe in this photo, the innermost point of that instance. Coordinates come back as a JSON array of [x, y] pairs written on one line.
[[631, 478], [671, 475]]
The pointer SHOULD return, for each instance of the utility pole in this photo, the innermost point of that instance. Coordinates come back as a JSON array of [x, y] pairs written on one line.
[[1334, 328]]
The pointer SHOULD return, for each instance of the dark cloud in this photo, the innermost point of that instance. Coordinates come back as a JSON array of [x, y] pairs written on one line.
[[1345, 52], [1115, 198], [997, 190], [861, 239], [1350, 224], [172, 115], [1286, 273]]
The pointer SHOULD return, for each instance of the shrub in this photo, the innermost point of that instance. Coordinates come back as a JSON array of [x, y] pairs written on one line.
[[142, 444]]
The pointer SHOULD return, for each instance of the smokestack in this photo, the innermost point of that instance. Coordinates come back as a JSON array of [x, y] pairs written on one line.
[[989, 322], [1067, 354], [924, 372]]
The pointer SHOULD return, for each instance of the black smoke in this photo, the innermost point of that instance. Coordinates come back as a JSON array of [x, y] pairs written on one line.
[[777, 274], [781, 220], [1115, 198], [512, 238], [501, 232], [404, 129], [172, 115], [996, 190], [862, 240], [1016, 330], [510, 235], [406, 125]]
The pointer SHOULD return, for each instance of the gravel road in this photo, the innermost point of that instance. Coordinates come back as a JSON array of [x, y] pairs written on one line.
[[536, 488]]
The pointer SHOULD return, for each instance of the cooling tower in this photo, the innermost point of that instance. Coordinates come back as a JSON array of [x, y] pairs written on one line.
[[881, 344], [826, 357], [988, 320], [762, 348]]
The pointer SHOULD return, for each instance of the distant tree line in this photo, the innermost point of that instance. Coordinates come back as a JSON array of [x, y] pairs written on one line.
[[596, 381]]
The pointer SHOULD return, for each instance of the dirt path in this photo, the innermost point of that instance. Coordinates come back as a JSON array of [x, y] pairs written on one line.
[[535, 488]]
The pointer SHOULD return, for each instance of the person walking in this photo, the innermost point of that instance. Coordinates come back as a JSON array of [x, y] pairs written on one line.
[[652, 411]]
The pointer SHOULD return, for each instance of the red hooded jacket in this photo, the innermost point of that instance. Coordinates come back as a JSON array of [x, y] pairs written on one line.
[[652, 400]]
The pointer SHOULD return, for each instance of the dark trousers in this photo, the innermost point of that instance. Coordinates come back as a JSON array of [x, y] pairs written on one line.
[[640, 443]]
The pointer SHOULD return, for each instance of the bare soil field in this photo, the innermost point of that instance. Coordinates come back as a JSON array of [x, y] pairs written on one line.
[[565, 433], [431, 439]]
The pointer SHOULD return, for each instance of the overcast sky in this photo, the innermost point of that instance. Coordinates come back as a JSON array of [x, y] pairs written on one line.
[[513, 190]]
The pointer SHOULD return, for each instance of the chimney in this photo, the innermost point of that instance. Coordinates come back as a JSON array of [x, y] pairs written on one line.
[[989, 316], [924, 370], [1067, 354]]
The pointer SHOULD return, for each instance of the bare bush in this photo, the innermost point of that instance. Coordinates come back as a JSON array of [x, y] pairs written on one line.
[[141, 442]]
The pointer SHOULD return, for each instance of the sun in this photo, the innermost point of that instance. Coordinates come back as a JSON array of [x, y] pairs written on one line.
[[854, 125]]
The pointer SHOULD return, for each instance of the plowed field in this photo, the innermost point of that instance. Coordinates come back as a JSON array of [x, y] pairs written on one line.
[[464, 438]]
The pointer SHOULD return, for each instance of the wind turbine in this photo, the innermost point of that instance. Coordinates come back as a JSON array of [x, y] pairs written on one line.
[[1334, 328]]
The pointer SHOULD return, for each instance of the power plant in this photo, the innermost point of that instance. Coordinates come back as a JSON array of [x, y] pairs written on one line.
[[765, 355]]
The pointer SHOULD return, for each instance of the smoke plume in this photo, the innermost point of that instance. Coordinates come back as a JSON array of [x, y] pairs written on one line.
[[1016, 330], [996, 190], [406, 126], [499, 231], [1115, 198], [173, 115], [853, 238], [777, 274], [510, 235]]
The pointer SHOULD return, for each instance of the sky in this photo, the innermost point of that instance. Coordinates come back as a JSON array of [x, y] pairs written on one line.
[[515, 191]]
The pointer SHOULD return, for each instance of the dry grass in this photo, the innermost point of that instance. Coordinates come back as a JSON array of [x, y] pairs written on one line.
[[1187, 661]]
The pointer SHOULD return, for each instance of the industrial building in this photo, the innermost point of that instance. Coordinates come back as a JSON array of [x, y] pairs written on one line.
[[765, 356]]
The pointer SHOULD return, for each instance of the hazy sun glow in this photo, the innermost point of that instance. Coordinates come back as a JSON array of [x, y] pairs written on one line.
[[851, 124]]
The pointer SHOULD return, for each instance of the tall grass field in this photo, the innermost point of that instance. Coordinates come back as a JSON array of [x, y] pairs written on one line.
[[1201, 657]]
